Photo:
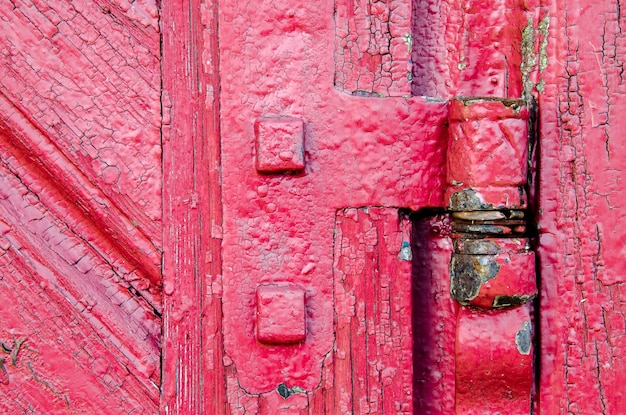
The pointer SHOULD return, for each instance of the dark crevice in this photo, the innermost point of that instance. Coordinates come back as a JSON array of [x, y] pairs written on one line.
[[428, 226]]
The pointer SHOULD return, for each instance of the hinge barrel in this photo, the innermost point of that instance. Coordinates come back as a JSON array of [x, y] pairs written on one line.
[[492, 269]]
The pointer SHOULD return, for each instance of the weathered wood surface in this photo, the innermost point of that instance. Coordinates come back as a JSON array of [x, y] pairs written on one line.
[[87, 209], [193, 368], [581, 210], [80, 207]]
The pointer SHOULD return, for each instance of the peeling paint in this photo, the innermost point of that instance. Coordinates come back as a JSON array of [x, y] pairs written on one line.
[[523, 338], [529, 58], [544, 31], [501, 301], [467, 200], [405, 252], [534, 56], [373, 46], [468, 273], [285, 392]]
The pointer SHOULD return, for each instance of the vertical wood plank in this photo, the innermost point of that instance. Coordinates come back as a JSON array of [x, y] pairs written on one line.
[[373, 367], [582, 208], [434, 316], [193, 376]]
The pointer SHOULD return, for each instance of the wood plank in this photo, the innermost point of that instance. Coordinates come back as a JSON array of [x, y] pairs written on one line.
[[86, 332], [89, 83], [582, 208], [80, 207], [434, 315], [67, 192], [373, 303], [194, 379]]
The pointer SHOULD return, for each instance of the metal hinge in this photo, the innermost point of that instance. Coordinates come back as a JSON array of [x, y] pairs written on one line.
[[492, 269]]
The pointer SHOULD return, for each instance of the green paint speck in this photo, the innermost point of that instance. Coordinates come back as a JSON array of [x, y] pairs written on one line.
[[544, 27]]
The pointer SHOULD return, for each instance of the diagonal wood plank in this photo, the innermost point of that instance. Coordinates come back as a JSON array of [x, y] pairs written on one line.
[[80, 207], [90, 83], [61, 296], [117, 234]]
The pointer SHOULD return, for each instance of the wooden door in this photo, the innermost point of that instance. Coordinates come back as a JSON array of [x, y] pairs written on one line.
[[80, 207], [236, 207]]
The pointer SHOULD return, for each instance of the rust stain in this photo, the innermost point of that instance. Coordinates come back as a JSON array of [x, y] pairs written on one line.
[[468, 273]]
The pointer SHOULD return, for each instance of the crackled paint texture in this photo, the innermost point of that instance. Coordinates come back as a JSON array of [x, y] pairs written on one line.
[[372, 356], [581, 210], [359, 151], [468, 47], [80, 207], [193, 364], [373, 47], [86, 208]]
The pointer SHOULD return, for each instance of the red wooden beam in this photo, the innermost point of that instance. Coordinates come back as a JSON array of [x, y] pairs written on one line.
[[192, 354]]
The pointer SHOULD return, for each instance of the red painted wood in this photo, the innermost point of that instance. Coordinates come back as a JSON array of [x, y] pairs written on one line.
[[434, 316], [278, 228], [373, 45], [193, 381], [469, 48], [491, 54], [373, 348], [80, 207], [359, 151], [581, 210], [82, 225]]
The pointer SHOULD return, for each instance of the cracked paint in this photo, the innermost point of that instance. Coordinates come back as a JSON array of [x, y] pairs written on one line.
[[80, 206], [44, 258], [194, 369], [373, 303], [373, 46], [358, 151], [491, 34], [363, 149], [581, 220], [82, 81], [98, 89]]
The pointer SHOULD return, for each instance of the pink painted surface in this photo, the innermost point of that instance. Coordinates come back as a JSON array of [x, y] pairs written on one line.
[[373, 45], [488, 152], [113, 185], [493, 359], [278, 228], [581, 210], [280, 314], [279, 145], [80, 207]]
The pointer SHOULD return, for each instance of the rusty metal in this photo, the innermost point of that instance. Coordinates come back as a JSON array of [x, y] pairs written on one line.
[[492, 268]]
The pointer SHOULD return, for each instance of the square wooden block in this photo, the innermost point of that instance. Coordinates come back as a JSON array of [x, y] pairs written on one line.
[[279, 144], [280, 314]]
